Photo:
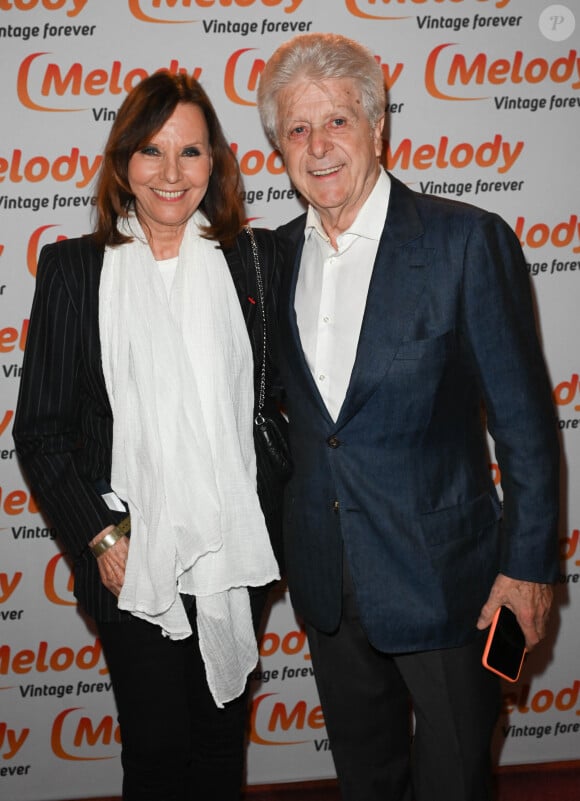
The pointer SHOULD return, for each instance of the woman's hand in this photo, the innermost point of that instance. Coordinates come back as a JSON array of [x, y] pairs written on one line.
[[112, 562]]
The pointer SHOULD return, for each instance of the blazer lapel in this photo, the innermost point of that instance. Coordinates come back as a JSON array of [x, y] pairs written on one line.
[[398, 280]]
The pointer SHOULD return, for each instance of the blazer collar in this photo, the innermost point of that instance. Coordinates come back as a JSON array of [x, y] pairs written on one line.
[[398, 280]]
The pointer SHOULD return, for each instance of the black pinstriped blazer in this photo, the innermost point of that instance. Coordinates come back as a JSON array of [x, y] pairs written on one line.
[[63, 423]]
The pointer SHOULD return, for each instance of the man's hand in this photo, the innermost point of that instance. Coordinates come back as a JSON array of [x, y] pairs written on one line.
[[112, 562], [529, 601]]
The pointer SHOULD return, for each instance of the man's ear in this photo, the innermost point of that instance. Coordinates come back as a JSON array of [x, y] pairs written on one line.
[[378, 135]]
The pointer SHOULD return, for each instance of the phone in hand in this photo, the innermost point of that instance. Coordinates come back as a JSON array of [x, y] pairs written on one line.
[[505, 648]]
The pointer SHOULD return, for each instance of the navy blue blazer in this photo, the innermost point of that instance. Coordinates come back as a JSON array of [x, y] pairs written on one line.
[[63, 425], [402, 479]]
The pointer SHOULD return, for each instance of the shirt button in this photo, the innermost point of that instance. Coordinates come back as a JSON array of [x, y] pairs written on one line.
[[333, 442], [326, 319], [321, 377]]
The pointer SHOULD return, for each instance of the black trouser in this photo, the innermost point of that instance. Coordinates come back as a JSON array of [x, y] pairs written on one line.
[[177, 745], [367, 696]]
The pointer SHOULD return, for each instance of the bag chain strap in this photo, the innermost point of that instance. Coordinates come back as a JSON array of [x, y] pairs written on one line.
[[262, 391]]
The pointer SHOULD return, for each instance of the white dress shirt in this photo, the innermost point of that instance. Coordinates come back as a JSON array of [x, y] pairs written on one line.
[[331, 293]]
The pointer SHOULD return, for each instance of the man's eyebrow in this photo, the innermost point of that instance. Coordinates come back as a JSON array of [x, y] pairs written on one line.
[[341, 111]]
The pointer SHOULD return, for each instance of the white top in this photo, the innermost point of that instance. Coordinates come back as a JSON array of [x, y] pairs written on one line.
[[167, 268], [331, 293]]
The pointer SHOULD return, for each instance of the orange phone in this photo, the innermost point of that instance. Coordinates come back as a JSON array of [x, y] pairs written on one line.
[[505, 649]]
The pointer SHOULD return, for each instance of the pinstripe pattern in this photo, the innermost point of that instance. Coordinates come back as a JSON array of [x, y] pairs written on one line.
[[63, 422]]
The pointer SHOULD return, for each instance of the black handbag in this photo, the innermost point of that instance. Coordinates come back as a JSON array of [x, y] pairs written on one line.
[[270, 430]]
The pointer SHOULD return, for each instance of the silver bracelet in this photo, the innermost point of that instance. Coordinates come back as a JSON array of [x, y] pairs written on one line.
[[99, 548]]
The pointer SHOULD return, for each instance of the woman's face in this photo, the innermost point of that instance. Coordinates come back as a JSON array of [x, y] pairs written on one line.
[[169, 175]]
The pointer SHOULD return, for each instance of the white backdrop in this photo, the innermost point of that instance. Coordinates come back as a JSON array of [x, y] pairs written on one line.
[[484, 102]]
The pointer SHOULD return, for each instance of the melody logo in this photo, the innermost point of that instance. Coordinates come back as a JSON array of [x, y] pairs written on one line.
[[34, 247], [74, 736], [59, 582], [356, 7], [250, 70], [50, 80], [8, 585], [47, 5], [445, 70], [542, 701], [16, 502], [569, 547], [538, 234], [6, 420], [254, 161], [11, 741], [72, 166], [12, 338], [273, 721], [242, 75], [567, 392], [156, 10], [43, 659], [291, 644], [498, 153]]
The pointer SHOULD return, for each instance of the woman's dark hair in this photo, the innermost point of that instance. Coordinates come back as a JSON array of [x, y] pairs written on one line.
[[142, 114]]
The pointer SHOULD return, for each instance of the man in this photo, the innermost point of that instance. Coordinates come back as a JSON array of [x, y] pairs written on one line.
[[403, 315]]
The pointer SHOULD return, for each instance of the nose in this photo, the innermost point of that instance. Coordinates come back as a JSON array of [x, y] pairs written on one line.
[[171, 168], [319, 143]]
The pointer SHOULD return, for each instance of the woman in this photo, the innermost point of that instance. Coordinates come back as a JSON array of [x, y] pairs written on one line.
[[137, 394]]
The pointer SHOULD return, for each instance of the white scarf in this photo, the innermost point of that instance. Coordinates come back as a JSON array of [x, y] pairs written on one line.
[[179, 373]]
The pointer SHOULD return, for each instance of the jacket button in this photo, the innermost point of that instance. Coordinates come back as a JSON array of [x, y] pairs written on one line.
[[333, 442]]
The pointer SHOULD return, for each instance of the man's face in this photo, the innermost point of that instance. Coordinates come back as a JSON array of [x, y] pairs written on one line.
[[329, 148]]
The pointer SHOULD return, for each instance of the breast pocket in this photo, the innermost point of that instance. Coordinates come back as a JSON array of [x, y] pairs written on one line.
[[423, 360], [429, 349]]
